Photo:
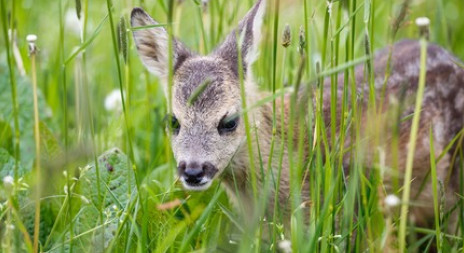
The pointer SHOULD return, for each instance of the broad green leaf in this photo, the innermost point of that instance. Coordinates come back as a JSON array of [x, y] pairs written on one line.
[[25, 114], [109, 198]]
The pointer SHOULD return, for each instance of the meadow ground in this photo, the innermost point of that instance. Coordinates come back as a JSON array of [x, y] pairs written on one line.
[[100, 169]]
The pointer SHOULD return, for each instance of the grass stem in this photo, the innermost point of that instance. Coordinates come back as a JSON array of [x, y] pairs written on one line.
[[32, 53], [412, 147]]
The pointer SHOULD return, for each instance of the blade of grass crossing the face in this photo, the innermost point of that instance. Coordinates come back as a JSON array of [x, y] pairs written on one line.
[[198, 91], [412, 145]]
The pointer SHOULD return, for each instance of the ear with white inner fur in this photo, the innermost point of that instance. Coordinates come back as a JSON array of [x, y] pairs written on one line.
[[249, 32], [153, 45]]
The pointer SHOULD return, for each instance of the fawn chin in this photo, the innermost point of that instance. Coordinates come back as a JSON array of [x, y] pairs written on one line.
[[208, 133]]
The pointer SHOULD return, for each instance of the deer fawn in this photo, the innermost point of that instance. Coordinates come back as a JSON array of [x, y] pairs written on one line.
[[209, 137]]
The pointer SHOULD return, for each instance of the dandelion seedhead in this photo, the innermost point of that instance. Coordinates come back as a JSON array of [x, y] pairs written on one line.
[[423, 23], [31, 39]]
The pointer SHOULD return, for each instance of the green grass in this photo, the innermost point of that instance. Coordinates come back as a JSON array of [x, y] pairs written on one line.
[[129, 200]]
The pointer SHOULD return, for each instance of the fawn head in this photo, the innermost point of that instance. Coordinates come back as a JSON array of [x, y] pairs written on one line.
[[205, 119]]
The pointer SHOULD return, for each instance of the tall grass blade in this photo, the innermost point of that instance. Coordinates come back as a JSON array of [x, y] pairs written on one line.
[[412, 145]]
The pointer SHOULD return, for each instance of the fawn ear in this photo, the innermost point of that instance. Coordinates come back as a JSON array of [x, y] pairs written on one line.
[[153, 45], [249, 35]]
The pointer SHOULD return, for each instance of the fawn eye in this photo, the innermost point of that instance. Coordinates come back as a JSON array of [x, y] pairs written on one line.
[[228, 124], [172, 123]]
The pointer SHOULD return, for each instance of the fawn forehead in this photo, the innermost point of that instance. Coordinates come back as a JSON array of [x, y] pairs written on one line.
[[206, 83]]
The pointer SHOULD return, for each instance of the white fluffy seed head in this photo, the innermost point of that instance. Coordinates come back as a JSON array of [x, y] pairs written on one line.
[[422, 21], [31, 38]]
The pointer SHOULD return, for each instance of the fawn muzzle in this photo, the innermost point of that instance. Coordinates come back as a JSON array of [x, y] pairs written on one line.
[[196, 176]]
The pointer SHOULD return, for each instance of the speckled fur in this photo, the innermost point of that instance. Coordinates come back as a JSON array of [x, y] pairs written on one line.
[[443, 110]]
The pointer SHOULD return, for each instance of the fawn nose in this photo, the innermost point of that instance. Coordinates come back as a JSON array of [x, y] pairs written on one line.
[[192, 172]]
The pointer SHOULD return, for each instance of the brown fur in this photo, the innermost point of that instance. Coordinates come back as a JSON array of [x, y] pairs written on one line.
[[198, 141]]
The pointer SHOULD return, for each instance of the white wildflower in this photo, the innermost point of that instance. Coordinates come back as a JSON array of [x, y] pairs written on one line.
[[392, 201], [285, 246], [113, 101], [422, 21]]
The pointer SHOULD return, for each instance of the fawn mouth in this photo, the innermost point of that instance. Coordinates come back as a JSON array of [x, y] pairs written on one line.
[[204, 184]]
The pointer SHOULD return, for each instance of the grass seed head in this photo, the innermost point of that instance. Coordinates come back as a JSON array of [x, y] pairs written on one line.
[[287, 36], [302, 40]]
